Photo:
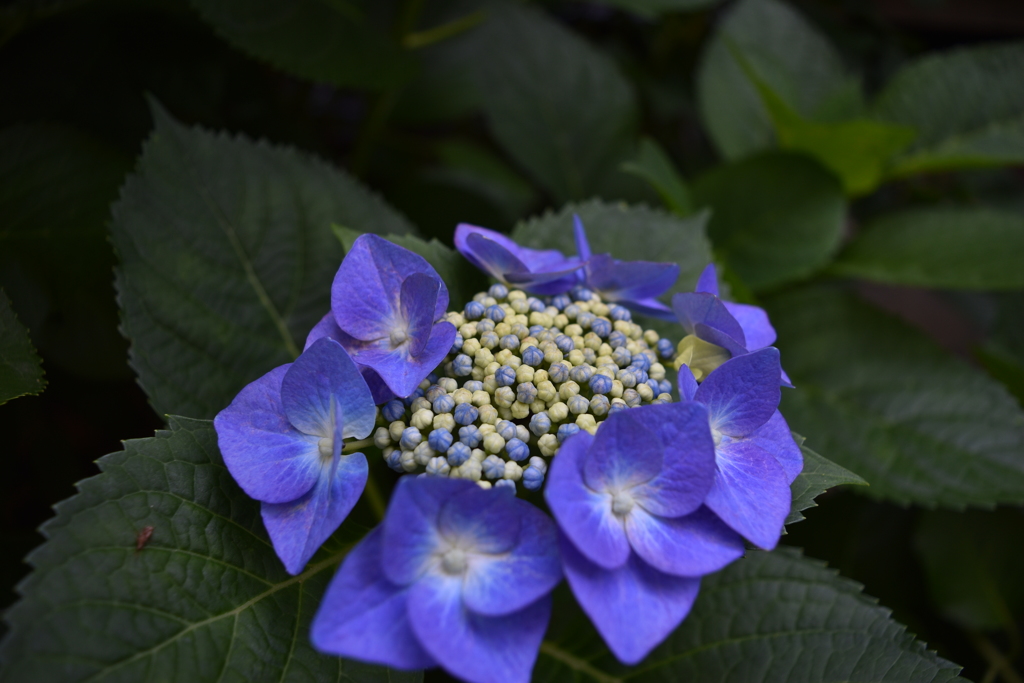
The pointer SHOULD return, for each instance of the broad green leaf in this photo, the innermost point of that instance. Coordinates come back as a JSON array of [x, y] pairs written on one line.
[[949, 247], [475, 168], [330, 41], [768, 618], [882, 400], [205, 598], [21, 371], [776, 217], [461, 279], [652, 8], [544, 114], [227, 259], [1003, 353], [654, 165], [967, 105], [818, 475], [972, 560], [789, 56]]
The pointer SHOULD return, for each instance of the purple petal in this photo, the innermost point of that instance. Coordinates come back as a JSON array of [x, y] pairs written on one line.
[[623, 455], [506, 583], [463, 231], [686, 382], [366, 294], [411, 524], [775, 437], [708, 281], [486, 521], [651, 307], [298, 529], [327, 327], [757, 329], [634, 607], [630, 280], [694, 545], [400, 371], [271, 460], [751, 492], [743, 392], [419, 297], [707, 317], [680, 432], [585, 516], [323, 381], [378, 388], [493, 258], [477, 648], [582, 245], [364, 616]]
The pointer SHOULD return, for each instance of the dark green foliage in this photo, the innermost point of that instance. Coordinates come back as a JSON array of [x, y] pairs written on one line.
[[21, 371], [818, 475]]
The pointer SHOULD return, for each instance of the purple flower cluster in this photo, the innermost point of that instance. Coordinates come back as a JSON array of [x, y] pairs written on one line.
[[460, 576]]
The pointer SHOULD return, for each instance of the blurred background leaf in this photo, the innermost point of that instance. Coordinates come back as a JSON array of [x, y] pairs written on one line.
[[21, 371]]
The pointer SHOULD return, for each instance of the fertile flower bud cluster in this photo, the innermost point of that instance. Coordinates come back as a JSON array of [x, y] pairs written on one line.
[[524, 374]]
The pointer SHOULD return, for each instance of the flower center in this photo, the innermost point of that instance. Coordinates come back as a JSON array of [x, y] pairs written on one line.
[[326, 446], [622, 503], [399, 334], [454, 561]]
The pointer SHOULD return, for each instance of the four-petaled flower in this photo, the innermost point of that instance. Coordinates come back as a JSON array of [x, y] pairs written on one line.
[[387, 306], [455, 576], [635, 537], [545, 271], [755, 456], [281, 439], [634, 284]]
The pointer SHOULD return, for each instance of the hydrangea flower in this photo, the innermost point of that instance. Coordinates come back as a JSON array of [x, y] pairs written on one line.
[[734, 328], [635, 536], [634, 284], [281, 439], [387, 310], [545, 271], [755, 456], [455, 576]]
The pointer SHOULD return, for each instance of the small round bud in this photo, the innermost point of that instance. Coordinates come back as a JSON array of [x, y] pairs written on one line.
[[395, 429], [553, 355], [620, 356], [473, 386], [495, 313], [524, 373], [474, 310], [419, 403], [500, 485], [546, 391], [645, 391], [558, 373], [520, 410], [506, 429], [564, 343], [481, 398], [440, 440], [522, 433], [422, 419], [489, 340], [526, 393], [448, 384], [438, 467], [618, 313], [393, 458], [517, 450], [586, 319], [444, 421], [462, 365], [408, 461], [498, 291], [493, 443], [381, 438], [631, 397], [578, 404], [568, 390], [423, 453], [410, 438], [561, 301], [532, 356], [433, 393], [581, 374], [666, 349], [466, 413], [513, 471], [600, 384], [567, 430], [617, 339], [627, 378], [504, 397], [540, 424], [509, 342], [458, 454], [599, 405], [548, 444], [493, 467], [533, 478], [470, 435], [558, 412], [393, 410], [601, 327], [587, 422]]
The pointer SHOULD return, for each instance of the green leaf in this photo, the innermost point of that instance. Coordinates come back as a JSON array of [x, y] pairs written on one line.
[[462, 280], [768, 618], [342, 42], [654, 165], [478, 170], [967, 105], [21, 371], [818, 475], [776, 217], [227, 259], [789, 56], [972, 561], [1003, 353], [544, 113], [884, 401], [652, 8], [206, 596], [949, 247]]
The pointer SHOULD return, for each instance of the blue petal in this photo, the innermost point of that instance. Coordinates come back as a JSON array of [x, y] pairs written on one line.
[[707, 317], [464, 231], [623, 455], [323, 379], [379, 389], [485, 521], [634, 607], [364, 616], [694, 545], [708, 281], [401, 372], [757, 329], [271, 460], [419, 296], [624, 281], [585, 516], [411, 533], [506, 583], [742, 393], [751, 492], [582, 245], [680, 433], [327, 327], [686, 382], [298, 529], [495, 259], [476, 648], [775, 437], [651, 307]]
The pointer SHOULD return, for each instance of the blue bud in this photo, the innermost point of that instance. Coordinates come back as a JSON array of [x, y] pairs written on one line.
[[616, 407], [458, 454], [466, 413], [600, 384], [564, 343], [571, 311], [581, 374], [589, 356], [498, 291], [526, 393], [540, 423], [462, 365], [666, 349], [653, 384], [619, 312], [641, 361], [664, 387], [631, 397], [393, 410], [433, 377], [599, 405], [489, 340], [537, 330], [617, 339], [411, 438], [578, 404], [620, 356], [641, 375], [533, 356], [505, 485], [440, 440], [470, 435], [627, 378], [510, 342], [495, 313], [517, 450], [601, 327], [536, 305], [434, 392], [585, 319], [506, 429], [561, 301], [457, 344], [580, 293], [533, 478], [505, 376], [473, 385], [567, 430], [485, 325], [443, 404], [394, 460], [474, 310], [558, 373], [493, 467], [412, 397]]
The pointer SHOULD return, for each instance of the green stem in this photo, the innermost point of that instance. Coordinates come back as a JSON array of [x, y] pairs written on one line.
[[418, 39], [575, 663], [353, 446], [996, 659]]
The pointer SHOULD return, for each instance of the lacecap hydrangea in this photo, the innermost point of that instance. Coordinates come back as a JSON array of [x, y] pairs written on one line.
[[544, 382]]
